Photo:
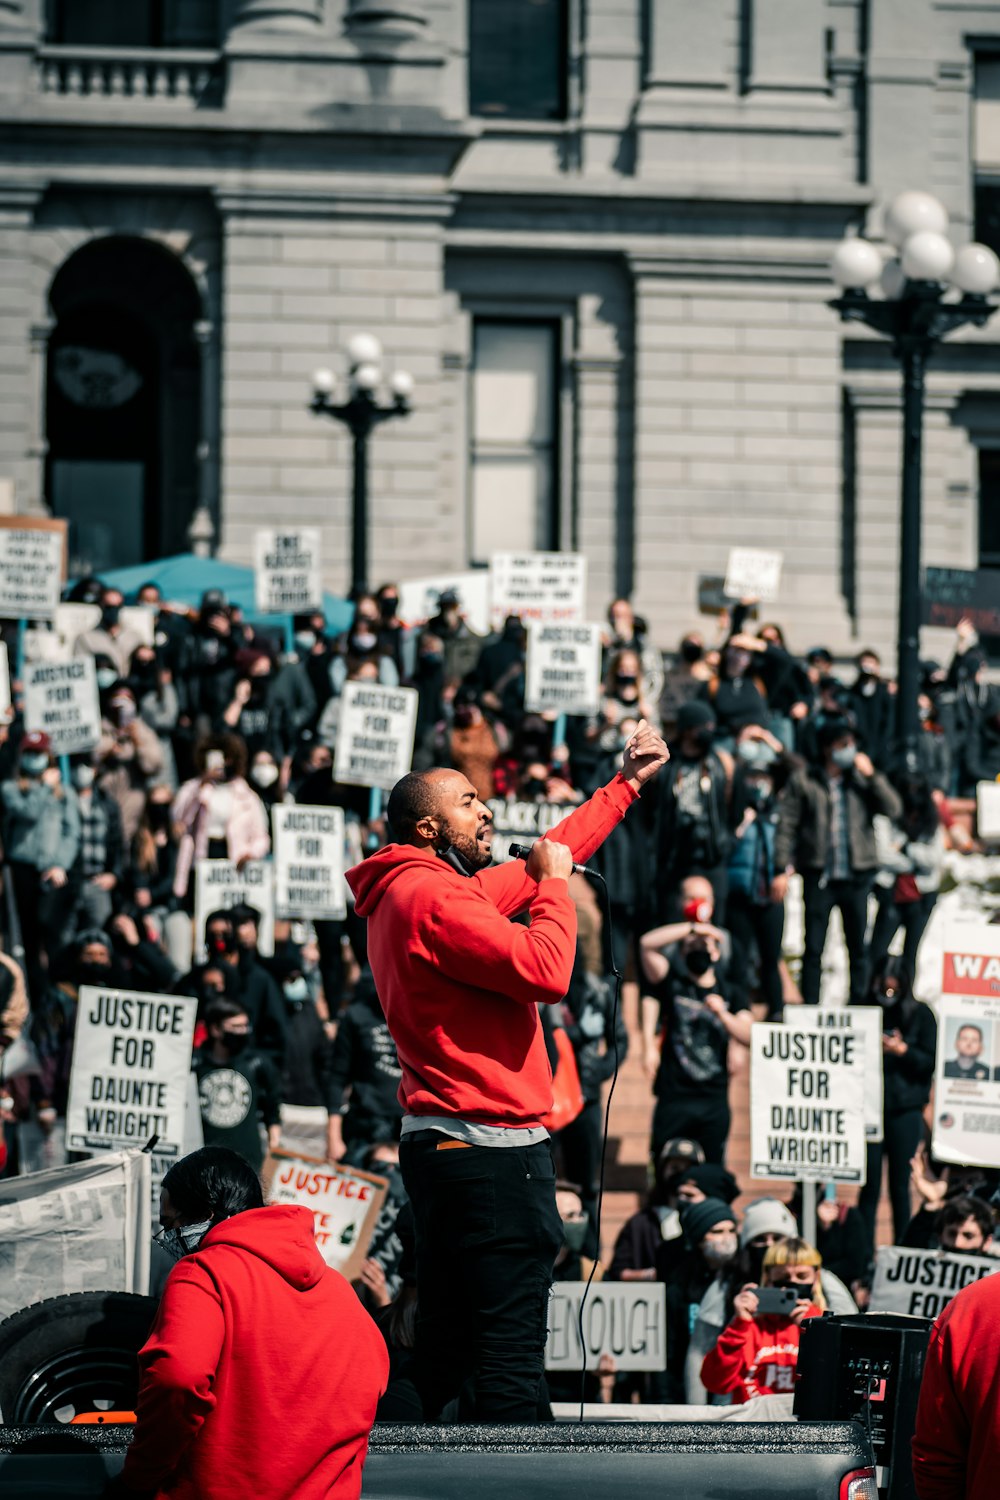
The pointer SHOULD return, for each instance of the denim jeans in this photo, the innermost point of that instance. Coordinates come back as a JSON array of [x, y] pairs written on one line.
[[487, 1234]]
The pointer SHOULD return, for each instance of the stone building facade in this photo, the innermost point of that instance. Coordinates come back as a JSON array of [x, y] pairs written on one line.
[[596, 232]]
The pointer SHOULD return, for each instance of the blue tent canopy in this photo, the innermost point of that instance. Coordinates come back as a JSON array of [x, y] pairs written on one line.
[[186, 577]]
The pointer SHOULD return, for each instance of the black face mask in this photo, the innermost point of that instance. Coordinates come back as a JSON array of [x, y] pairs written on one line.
[[536, 787], [109, 616], [702, 740], [158, 814], [98, 974], [463, 717], [235, 1042], [625, 680], [690, 651], [698, 961], [388, 606]]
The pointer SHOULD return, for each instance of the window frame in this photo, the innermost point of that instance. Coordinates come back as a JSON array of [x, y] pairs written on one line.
[[562, 61]]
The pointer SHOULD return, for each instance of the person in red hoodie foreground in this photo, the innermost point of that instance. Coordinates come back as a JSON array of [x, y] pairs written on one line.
[[262, 1370], [757, 1353], [460, 986], [956, 1441]]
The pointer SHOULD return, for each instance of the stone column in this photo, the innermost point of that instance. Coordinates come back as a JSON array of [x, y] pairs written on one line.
[[277, 15]]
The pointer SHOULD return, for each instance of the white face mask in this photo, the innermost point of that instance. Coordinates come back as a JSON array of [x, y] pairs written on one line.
[[180, 1242], [83, 777], [843, 757], [721, 1250], [264, 775]]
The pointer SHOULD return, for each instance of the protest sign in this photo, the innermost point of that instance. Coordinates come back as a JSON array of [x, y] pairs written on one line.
[[345, 1203], [218, 885], [60, 699], [32, 566], [375, 734], [967, 1081], [79, 1228], [4, 681], [73, 619], [922, 1282], [141, 620], [287, 574], [627, 1320], [868, 1020], [752, 574], [521, 823], [418, 598], [988, 810], [948, 595], [807, 1104], [563, 672], [193, 1139], [42, 644], [549, 586], [131, 1062], [309, 862]]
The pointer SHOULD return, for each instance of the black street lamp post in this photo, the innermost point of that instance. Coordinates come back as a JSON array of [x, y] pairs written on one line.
[[361, 413], [917, 311]]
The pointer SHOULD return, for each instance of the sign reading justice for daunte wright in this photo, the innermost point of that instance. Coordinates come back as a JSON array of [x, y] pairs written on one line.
[[807, 1104], [375, 734]]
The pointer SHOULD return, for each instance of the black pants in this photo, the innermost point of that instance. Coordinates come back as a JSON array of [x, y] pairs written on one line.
[[903, 1131], [850, 897], [750, 923], [580, 1148], [912, 916], [701, 1118], [487, 1234], [46, 917]]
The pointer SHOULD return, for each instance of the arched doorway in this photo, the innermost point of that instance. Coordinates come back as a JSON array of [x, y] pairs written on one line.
[[123, 402]]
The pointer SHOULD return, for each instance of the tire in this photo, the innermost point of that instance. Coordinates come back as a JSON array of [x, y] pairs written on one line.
[[72, 1354]]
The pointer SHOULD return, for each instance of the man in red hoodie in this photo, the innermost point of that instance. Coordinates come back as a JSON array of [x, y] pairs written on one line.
[[460, 986], [956, 1444], [262, 1370]]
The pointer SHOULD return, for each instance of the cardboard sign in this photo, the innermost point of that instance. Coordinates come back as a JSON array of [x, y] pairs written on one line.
[[309, 862], [32, 566], [79, 1228], [521, 823], [219, 884], [550, 586], [563, 672], [922, 1282], [807, 1104], [418, 598], [753, 574], [288, 578], [988, 809], [345, 1203], [867, 1019], [60, 699], [951, 594], [131, 1062], [625, 1319], [375, 735]]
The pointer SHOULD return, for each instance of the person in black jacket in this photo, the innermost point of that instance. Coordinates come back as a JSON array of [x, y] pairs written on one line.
[[254, 986], [238, 1087], [691, 824], [364, 1061], [909, 1041], [870, 705]]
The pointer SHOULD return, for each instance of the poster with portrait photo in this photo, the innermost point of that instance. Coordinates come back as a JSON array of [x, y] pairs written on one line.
[[967, 1082]]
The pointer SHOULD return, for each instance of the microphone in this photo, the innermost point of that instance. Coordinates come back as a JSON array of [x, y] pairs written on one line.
[[523, 851]]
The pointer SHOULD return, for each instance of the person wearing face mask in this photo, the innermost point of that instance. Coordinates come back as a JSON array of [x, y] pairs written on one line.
[[870, 705], [691, 833], [469, 744], [635, 1256], [218, 814], [361, 642], [710, 1245], [253, 714], [41, 842], [250, 1316], [460, 645], [157, 703], [128, 755], [110, 637], [912, 854], [683, 680], [826, 832], [622, 698], [701, 1009], [252, 983], [306, 1058], [498, 678], [265, 778], [239, 1087], [101, 864]]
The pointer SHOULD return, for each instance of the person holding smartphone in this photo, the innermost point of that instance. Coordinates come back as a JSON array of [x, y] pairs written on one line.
[[757, 1353]]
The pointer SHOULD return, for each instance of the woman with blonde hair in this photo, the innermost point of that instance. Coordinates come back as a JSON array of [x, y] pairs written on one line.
[[757, 1353]]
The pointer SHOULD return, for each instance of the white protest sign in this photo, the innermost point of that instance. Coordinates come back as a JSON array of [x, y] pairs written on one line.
[[375, 735], [42, 644], [988, 809], [627, 1320], [867, 1019], [141, 620], [418, 598], [563, 670], [344, 1201], [922, 1282], [807, 1104], [4, 680], [288, 577], [32, 553], [521, 823], [193, 1140], [218, 885], [753, 574], [967, 1082], [60, 699], [537, 586], [309, 862], [79, 1228], [73, 619], [129, 1078]]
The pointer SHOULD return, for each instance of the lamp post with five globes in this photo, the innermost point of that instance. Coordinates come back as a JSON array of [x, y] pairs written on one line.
[[361, 413], [928, 290]]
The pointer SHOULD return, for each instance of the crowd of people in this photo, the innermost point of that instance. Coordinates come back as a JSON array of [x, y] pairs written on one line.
[[781, 764]]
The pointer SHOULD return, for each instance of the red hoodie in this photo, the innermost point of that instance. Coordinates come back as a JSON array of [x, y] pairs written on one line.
[[754, 1357], [956, 1444], [262, 1371], [460, 984]]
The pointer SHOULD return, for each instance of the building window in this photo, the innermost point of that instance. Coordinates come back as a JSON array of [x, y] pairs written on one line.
[[133, 23], [989, 507], [517, 59], [514, 478]]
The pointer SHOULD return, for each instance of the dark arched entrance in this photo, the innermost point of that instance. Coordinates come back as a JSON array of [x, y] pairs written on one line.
[[123, 402]]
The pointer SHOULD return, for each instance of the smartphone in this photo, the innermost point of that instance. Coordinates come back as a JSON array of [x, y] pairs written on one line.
[[782, 1300]]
